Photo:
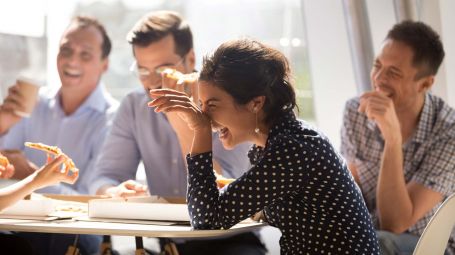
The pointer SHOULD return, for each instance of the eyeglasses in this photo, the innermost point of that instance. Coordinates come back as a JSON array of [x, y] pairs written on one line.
[[155, 75]]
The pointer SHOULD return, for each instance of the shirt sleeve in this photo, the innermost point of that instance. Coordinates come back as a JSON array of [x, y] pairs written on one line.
[[14, 138], [86, 177], [119, 156], [436, 171], [348, 147], [271, 178]]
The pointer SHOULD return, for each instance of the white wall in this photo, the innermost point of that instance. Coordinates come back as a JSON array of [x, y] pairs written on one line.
[[447, 10], [59, 15], [382, 18], [330, 58], [330, 61], [429, 12]]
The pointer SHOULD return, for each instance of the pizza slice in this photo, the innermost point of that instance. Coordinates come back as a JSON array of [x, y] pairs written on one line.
[[176, 75], [222, 181], [54, 150], [3, 161]]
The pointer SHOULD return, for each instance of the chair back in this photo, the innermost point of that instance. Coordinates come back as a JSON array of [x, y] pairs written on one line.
[[437, 232]]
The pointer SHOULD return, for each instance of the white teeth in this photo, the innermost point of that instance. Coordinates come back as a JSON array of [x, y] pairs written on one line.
[[72, 72], [217, 129]]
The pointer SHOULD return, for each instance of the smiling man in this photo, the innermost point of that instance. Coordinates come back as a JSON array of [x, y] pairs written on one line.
[[76, 119], [399, 139], [162, 140]]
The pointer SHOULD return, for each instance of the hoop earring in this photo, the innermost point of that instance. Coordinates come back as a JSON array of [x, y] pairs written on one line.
[[256, 129]]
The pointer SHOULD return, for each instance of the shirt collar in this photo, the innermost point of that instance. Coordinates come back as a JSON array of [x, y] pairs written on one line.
[[284, 124], [97, 100], [425, 122]]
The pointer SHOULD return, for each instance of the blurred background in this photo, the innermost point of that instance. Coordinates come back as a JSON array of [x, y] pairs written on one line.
[[330, 43]]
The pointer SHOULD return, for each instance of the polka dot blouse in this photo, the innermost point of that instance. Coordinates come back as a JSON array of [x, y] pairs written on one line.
[[303, 187]]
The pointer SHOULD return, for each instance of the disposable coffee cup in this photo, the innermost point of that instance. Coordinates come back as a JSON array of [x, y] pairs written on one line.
[[29, 89]]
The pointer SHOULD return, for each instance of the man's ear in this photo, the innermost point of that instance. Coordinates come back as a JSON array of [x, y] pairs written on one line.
[[105, 64], [256, 104], [190, 59], [426, 83]]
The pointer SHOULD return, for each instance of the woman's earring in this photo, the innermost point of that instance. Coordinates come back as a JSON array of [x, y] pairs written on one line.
[[256, 130]]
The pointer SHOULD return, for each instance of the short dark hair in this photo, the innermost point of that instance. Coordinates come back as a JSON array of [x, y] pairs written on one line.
[[157, 25], [82, 21], [246, 69], [424, 42]]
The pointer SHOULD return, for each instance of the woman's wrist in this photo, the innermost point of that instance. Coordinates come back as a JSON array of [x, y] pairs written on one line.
[[202, 140]]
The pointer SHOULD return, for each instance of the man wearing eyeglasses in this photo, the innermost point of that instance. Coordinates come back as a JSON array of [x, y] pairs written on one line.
[[162, 140]]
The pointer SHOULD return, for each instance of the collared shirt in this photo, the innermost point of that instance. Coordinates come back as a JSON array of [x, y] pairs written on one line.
[[300, 182], [429, 155], [78, 135], [139, 133]]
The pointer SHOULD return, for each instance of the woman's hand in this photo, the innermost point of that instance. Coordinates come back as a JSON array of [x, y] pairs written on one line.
[[7, 171], [22, 166], [168, 100], [52, 173]]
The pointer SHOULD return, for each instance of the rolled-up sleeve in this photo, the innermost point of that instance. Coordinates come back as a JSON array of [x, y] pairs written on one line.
[[436, 170], [348, 148]]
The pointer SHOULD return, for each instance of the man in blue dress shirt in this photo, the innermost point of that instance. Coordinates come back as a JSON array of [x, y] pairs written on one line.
[[162, 140], [76, 118]]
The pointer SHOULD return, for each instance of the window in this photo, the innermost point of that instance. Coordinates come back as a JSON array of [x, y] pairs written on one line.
[[276, 23], [23, 45]]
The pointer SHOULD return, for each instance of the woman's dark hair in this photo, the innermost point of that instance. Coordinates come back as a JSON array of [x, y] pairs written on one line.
[[246, 69]]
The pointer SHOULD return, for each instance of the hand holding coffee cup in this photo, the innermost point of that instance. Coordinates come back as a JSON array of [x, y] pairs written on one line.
[[22, 97], [19, 103], [29, 91]]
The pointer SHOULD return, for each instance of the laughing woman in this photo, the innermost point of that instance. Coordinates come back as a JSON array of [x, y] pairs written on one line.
[[297, 179]]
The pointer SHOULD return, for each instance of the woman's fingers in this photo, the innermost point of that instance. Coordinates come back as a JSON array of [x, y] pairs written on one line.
[[161, 92], [175, 105], [165, 98], [48, 158], [166, 102], [71, 179], [176, 108], [57, 161]]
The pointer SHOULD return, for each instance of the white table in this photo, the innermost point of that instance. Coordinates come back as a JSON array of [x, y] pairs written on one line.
[[122, 229], [72, 226]]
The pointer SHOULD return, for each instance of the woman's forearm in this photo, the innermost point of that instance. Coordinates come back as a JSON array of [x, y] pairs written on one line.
[[202, 141], [13, 193]]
